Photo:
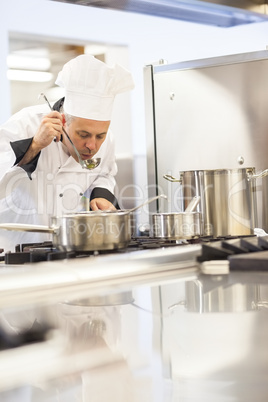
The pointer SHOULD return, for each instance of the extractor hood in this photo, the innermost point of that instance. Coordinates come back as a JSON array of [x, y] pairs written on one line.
[[223, 13]]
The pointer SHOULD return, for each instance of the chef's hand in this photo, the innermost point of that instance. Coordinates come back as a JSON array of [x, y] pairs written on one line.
[[49, 129], [101, 203]]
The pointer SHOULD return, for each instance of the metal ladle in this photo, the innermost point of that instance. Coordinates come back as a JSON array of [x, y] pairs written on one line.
[[86, 164], [147, 202], [127, 211], [193, 204]]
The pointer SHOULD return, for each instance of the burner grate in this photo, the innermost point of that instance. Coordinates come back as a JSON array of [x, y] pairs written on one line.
[[37, 252], [143, 242], [213, 248]]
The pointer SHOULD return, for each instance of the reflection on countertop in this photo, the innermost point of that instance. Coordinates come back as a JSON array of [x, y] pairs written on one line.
[[151, 327]]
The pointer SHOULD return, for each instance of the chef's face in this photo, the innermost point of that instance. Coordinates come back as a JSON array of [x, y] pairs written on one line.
[[87, 136]]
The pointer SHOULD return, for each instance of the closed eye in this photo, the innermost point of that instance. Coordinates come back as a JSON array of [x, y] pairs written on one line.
[[100, 136], [85, 134]]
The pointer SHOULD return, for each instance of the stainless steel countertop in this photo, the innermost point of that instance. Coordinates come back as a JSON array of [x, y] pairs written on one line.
[[53, 281], [172, 331]]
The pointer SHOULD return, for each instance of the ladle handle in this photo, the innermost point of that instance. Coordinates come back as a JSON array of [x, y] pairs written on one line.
[[65, 132], [148, 202], [193, 204]]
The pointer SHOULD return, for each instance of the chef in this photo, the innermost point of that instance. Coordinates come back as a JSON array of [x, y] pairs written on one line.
[[40, 174]]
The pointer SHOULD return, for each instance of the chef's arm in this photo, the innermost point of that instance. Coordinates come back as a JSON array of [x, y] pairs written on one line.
[[27, 155], [32, 152], [28, 150]]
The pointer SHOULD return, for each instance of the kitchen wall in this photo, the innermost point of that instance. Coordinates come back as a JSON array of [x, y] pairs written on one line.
[[147, 39]]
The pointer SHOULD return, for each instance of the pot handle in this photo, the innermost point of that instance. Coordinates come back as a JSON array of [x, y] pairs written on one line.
[[28, 228], [172, 178], [257, 175]]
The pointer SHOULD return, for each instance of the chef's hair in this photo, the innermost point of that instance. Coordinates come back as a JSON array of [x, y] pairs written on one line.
[[68, 117]]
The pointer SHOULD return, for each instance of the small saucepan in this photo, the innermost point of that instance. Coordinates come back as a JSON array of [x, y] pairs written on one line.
[[178, 225]]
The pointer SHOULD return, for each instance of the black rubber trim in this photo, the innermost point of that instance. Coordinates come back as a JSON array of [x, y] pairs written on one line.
[[58, 105], [20, 148], [100, 192]]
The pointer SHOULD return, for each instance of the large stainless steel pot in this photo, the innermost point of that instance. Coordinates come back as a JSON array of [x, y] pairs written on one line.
[[89, 231], [92, 231], [228, 199], [235, 298]]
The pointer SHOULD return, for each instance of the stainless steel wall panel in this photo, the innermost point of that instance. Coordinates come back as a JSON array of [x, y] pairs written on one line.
[[209, 114]]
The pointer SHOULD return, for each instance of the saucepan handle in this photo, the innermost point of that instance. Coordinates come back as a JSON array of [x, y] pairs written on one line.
[[172, 178], [257, 175], [28, 228]]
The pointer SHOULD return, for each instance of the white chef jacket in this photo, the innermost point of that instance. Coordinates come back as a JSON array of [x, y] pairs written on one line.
[[55, 187]]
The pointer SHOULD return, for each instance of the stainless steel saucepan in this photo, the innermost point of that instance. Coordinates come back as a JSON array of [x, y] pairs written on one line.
[[178, 225], [87, 231]]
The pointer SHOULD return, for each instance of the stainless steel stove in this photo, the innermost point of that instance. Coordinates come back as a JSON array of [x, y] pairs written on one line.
[[36, 252], [240, 252]]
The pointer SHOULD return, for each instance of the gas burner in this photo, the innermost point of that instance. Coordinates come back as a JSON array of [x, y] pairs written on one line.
[[143, 242], [242, 253], [36, 255], [211, 239], [212, 249], [36, 252], [26, 247]]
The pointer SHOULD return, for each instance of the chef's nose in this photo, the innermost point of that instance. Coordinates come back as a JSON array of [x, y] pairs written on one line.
[[91, 144]]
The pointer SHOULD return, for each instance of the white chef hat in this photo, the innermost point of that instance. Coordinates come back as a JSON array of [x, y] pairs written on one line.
[[91, 86]]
